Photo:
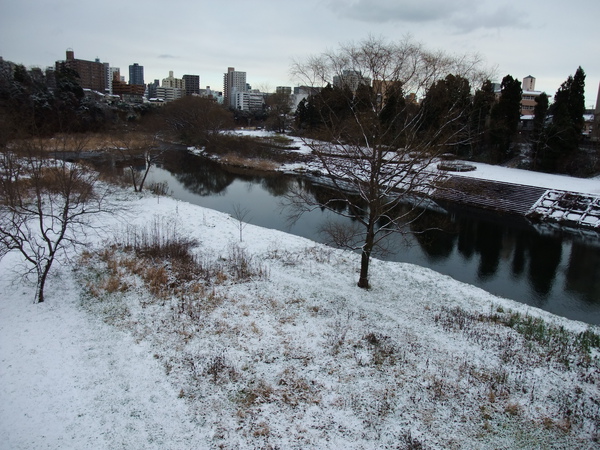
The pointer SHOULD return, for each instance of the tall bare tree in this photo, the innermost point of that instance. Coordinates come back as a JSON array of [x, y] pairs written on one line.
[[45, 205], [376, 144]]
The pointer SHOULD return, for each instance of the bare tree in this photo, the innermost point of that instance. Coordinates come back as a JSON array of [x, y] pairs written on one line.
[[241, 215], [45, 205], [196, 120], [139, 151], [376, 144]]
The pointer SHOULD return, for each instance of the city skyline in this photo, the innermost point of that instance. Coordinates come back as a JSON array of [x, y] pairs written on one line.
[[544, 39]]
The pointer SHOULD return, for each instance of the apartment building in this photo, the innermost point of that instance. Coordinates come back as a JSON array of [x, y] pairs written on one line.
[[92, 74], [169, 94], [595, 132], [191, 84], [172, 82], [233, 82], [248, 101]]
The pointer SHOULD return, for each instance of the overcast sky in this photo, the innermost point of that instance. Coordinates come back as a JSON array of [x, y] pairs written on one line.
[[548, 39]]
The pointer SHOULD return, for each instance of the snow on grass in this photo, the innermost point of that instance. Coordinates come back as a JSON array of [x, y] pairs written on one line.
[[268, 343]]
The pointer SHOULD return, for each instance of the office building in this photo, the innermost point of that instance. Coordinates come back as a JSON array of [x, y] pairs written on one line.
[[136, 74]]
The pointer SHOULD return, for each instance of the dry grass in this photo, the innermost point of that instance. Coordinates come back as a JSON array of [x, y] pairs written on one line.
[[249, 163], [86, 142]]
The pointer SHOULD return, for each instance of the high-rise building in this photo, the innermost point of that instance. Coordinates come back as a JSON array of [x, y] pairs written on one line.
[[92, 74], [172, 82], [136, 74], [191, 84], [233, 81]]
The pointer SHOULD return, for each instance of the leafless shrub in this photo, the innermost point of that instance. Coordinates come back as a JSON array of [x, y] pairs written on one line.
[[257, 392], [241, 215], [219, 369], [242, 266], [513, 408], [160, 239], [383, 350], [159, 188], [293, 389]]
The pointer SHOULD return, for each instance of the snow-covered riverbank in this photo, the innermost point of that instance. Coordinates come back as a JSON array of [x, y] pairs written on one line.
[[295, 356]]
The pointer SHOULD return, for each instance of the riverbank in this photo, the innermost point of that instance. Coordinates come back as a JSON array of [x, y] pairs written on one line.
[[542, 198], [288, 353]]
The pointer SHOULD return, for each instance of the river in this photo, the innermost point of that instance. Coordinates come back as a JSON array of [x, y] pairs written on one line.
[[549, 268]]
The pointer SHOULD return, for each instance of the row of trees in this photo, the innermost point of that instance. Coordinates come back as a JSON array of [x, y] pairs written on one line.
[[470, 124], [37, 105], [479, 125]]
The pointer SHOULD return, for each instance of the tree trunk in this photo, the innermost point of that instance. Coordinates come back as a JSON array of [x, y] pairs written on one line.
[[132, 171], [363, 280], [39, 295], [365, 256]]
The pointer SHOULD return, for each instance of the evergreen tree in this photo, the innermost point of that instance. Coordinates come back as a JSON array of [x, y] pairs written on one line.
[[449, 99], [564, 133], [483, 101], [538, 135], [394, 113], [505, 119]]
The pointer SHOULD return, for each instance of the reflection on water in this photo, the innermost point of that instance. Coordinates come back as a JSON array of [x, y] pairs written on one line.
[[555, 271]]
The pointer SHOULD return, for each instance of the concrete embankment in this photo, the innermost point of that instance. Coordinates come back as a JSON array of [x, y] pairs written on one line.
[[571, 209]]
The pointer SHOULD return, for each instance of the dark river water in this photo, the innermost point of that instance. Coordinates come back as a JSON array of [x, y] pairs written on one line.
[[558, 271]]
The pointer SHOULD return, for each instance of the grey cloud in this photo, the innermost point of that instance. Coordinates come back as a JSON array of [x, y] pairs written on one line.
[[501, 18], [463, 15], [381, 11], [167, 56]]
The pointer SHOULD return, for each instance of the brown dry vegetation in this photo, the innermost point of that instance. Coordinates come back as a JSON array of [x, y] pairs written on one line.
[[83, 142]]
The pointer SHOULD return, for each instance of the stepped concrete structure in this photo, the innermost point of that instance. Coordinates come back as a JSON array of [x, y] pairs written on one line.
[[535, 203]]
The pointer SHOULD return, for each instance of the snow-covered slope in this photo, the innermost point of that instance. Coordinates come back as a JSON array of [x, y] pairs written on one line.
[[298, 357]]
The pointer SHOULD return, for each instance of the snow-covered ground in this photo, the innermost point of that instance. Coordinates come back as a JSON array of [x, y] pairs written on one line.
[[294, 356]]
